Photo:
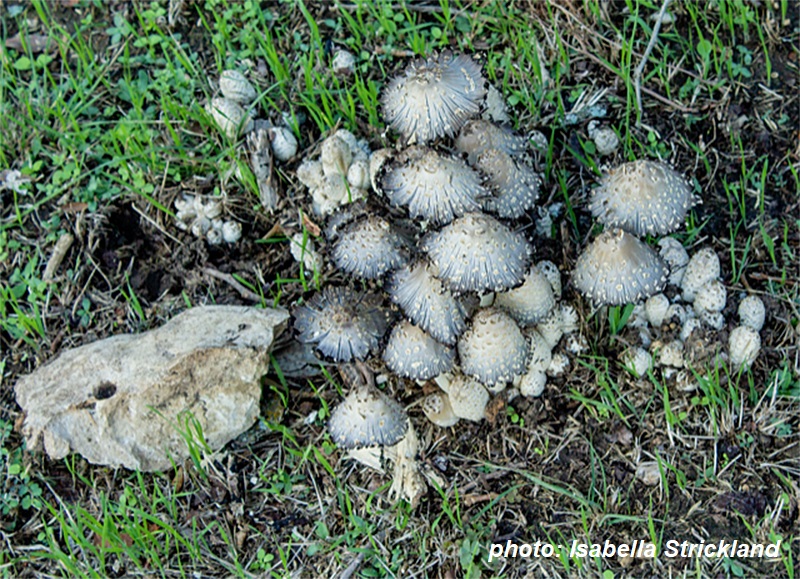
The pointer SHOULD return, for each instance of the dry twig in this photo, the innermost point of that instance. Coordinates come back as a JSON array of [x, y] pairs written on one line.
[[637, 74]]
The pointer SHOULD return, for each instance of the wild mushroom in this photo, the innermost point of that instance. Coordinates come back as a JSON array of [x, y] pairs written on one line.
[[437, 409], [367, 417], [343, 325], [617, 269], [467, 397], [515, 185], [479, 136], [427, 302], [434, 97], [744, 344], [369, 248], [412, 353], [433, 186], [702, 268], [752, 312], [642, 197], [676, 257], [493, 349], [531, 302], [478, 253]]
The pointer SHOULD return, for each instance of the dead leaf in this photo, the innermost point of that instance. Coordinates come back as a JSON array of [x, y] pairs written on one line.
[[312, 227]]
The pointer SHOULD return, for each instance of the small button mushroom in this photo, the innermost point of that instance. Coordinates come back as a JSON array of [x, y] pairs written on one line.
[[642, 197], [531, 302], [656, 308], [335, 156], [234, 86], [303, 250], [231, 231], [478, 253], [283, 142], [710, 298], [229, 116], [637, 360], [358, 174], [671, 354], [689, 326], [427, 302], [468, 398], [617, 268], [493, 349], [752, 312], [676, 257], [552, 327], [412, 353], [438, 410], [744, 344], [714, 320], [434, 97], [343, 63], [310, 174], [559, 364], [605, 139], [702, 268], [533, 383]]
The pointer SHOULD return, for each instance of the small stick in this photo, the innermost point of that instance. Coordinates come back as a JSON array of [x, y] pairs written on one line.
[[637, 74], [59, 253], [231, 281]]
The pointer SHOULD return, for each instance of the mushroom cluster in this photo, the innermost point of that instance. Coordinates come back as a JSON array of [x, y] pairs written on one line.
[[464, 305]]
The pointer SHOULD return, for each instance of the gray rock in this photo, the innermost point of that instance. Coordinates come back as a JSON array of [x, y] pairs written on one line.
[[124, 400]]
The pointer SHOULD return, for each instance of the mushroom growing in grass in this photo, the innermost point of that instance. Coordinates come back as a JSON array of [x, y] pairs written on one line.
[[432, 186], [479, 136], [493, 349], [369, 248], [642, 197], [468, 399], [343, 325], [427, 302], [434, 97], [412, 353], [531, 302], [617, 268], [515, 185], [478, 253]]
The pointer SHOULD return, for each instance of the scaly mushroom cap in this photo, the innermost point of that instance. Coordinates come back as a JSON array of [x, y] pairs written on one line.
[[468, 398], [412, 353], [437, 408], [643, 197], [343, 325], [531, 302], [434, 97], [493, 349], [617, 268], [433, 186], [478, 136], [478, 253], [515, 185], [369, 248], [367, 417], [427, 302]]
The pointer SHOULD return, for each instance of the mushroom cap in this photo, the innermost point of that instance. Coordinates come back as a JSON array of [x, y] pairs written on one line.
[[642, 197], [427, 302], [656, 308], [478, 136], [617, 268], [434, 97], [367, 417], [752, 312], [478, 253], [343, 324], [711, 297], [702, 268], [676, 257], [433, 186], [412, 353], [468, 398], [637, 360], [369, 248], [437, 408], [493, 349], [515, 185], [530, 302], [744, 344], [533, 383]]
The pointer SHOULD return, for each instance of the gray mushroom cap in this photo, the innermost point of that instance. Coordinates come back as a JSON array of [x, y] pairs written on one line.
[[412, 353], [367, 417], [642, 197], [531, 302], [493, 349], [617, 268], [478, 136], [427, 302], [478, 253], [433, 186], [369, 248], [515, 185], [343, 325], [434, 97]]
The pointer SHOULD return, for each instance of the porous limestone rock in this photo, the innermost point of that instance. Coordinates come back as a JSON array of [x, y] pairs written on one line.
[[123, 400]]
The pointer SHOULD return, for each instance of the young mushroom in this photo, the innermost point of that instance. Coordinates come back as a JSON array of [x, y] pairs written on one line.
[[478, 253], [412, 353], [479, 136], [343, 326], [531, 302], [493, 349], [434, 97], [617, 268], [515, 185], [642, 197]]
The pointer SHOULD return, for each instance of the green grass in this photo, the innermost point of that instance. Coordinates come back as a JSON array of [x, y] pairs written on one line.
[[112, 115]]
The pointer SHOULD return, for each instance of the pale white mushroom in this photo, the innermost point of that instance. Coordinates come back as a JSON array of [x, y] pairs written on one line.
[[468, 398], [656, 308], [234, 86], [438, 410], [530, 302], [702, 268], [744, 344], [637, 360], [710, 298], [752, 312], [676, 257]]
